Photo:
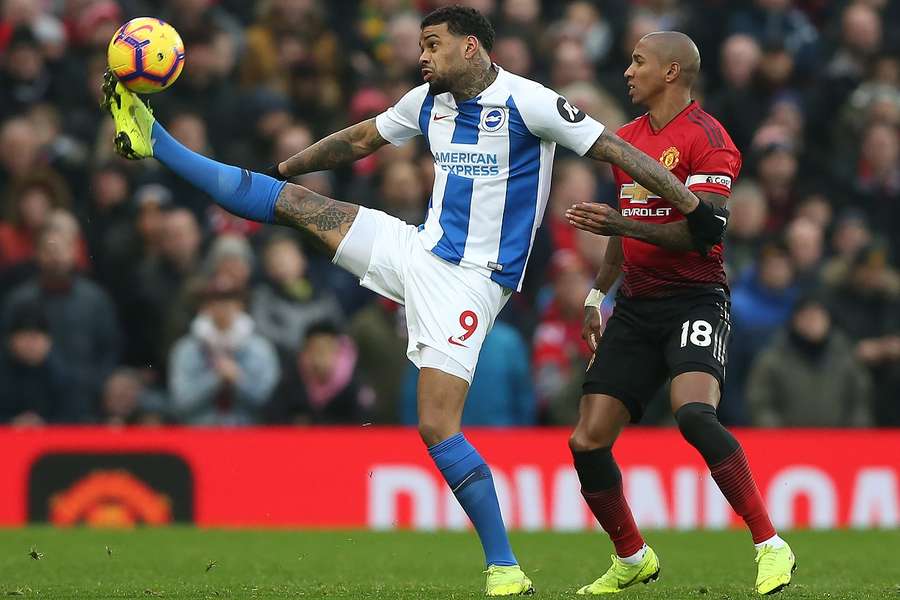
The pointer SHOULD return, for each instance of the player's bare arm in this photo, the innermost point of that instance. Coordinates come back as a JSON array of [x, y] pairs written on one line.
[[609, 147], [327, 219], [609, 271], [605, 220], [339, 148]]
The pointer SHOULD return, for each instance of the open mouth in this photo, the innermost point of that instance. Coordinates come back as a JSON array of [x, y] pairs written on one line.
[[427, 74]]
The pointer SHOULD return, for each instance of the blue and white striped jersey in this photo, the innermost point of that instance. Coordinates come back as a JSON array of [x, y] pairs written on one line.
[[493, 157]]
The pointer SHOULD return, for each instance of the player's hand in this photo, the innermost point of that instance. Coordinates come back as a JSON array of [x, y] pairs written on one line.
[[596, 217], [592, 329], [227, 368]]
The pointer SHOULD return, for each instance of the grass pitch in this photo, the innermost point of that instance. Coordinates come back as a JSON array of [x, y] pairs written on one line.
[[216, 564]]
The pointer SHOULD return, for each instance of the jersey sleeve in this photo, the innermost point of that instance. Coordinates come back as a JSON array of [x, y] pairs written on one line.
[[550, 117], [400, 123], [715, 169]]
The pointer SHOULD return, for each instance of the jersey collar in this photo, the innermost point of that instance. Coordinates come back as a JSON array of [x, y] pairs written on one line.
[[693, 104]]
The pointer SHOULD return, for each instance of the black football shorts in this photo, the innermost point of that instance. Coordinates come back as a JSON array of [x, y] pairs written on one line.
[[648, 341]]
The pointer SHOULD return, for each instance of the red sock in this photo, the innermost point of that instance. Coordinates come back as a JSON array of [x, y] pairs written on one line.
[[611, 510], [736, 482]]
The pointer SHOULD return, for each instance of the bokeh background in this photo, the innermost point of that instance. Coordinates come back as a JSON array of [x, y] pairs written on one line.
[[127, 297]]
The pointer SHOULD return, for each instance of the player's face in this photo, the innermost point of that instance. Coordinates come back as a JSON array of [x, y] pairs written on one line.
[[443, 57], [645, 76]]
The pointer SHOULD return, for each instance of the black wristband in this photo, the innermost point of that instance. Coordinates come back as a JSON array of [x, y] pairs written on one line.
[[272, 171], [707, 226]]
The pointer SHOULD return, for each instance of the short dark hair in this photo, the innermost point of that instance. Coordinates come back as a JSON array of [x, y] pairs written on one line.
[[462, 20]]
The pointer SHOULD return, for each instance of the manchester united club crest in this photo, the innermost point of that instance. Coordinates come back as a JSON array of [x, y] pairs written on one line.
[[670, 157]]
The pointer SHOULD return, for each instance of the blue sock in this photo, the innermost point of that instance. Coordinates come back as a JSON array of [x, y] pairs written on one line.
[[470, 479], [246, 194]]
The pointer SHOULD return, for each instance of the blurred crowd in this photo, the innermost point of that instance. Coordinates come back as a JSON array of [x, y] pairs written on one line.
[[127, 297]]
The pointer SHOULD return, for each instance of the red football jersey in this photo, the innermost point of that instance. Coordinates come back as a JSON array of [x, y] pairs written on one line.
[[699, 152]]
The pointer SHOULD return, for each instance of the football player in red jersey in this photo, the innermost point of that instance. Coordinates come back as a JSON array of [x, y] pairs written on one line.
[[671, 320]]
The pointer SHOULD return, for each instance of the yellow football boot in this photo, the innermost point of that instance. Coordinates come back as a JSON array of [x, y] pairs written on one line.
[[621, 575], [775, 568], [134, 121], [507, 581]]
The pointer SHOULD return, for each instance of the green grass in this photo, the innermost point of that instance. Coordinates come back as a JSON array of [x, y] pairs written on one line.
[[172, 563]]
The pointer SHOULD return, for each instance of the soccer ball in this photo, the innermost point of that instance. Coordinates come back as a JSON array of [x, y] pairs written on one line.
[[146, 55]]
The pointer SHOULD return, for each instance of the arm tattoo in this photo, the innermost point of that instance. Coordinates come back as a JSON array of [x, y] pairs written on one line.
[[327, 219], [671, 236], [339, 148], [643, 169]]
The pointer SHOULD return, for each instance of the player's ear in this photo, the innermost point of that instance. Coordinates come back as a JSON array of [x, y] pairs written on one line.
[[471, 47], [673, 72]]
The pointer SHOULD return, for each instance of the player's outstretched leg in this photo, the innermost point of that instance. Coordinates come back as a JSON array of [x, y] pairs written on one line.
[[254, 196], [441, 398], [700, 426], [601, 419]]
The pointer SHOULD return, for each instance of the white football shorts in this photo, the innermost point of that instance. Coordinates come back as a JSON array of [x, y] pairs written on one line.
[[449, 308]]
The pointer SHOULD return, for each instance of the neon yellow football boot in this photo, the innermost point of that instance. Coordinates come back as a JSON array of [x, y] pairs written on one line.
[[507, 581], [775, 568], [621, 576], [134, 121]]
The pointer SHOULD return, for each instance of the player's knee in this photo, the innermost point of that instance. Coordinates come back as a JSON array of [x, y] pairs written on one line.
[[584, 439], [700, 426], [434, 431], [694, 418]]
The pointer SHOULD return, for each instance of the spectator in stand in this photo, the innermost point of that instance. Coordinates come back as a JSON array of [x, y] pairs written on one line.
[[808, 376], [25, 78], [35, 384], [158, 280], [876, 185], [738, 104], [776, 172], [779, 20], [287, 303], [573, 182], [745, 227], [379, 331], [401, 194], [127, 400], [861, 37], [559, 354], [30, 202], [20, 152], [761, 302], [106, 213], [81, 315], [319, 384], [851, 234], [513, 54], [805, 241], [866, 306], [222, 372]]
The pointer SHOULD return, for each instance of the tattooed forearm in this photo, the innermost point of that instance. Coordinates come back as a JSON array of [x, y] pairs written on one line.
[[644, 170], [327, 219], [339, 148], [672, 236]]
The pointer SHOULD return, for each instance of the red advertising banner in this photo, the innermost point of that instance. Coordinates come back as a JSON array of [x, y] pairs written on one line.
[[382, 478]]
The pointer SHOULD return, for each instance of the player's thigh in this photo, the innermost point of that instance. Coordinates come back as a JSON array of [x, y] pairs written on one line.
[[601, 418], [327, 219], [697, 350], [449, 310], [377, 250], [628, 365]]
